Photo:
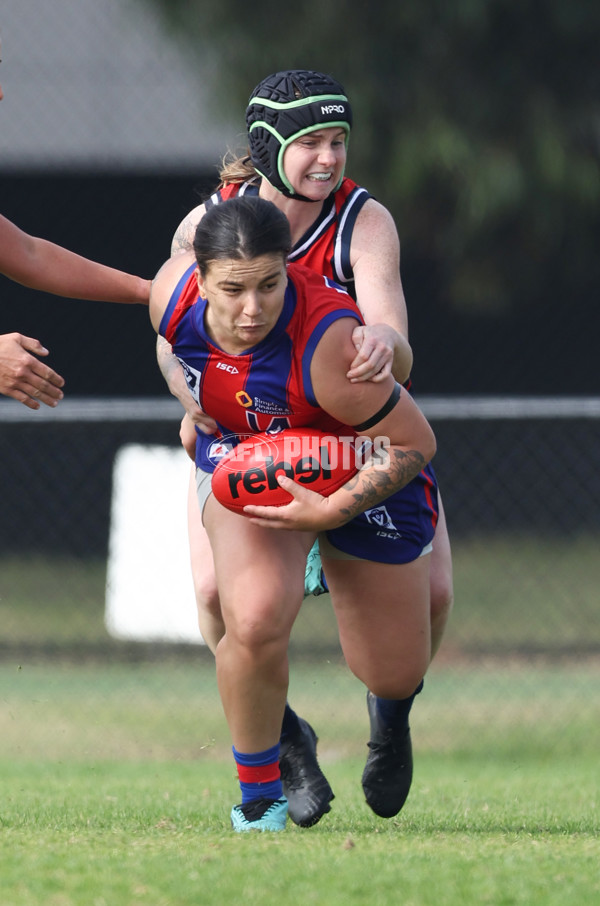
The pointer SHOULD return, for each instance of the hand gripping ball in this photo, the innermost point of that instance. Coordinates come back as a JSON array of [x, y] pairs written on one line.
[[317, 461]]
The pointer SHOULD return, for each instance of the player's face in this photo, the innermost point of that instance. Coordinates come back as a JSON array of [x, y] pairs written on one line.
[[314, 163], [245, 298]]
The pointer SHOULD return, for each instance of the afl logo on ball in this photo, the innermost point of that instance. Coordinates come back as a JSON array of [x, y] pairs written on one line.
[[218, 449]]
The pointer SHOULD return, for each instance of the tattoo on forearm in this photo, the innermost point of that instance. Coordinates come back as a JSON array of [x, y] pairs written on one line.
[[377, 484], [167, 362]]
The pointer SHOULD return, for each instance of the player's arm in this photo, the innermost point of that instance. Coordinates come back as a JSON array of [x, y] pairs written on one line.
[[163, 285], [23, 377], [162, 288], [160, 294], [42, 265], [173, 374], [383, 411], [183, 238], [169, 365], [382, 345]]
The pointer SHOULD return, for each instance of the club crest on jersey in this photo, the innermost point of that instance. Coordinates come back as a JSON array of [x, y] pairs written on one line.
[[380, 517], [269, 424], [192, 378], [243, 399]]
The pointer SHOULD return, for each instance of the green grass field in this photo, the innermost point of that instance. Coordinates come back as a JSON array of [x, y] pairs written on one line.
[[116, 783], [116, 776]]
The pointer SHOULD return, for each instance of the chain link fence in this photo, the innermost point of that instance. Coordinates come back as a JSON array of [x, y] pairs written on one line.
[[520, 488]]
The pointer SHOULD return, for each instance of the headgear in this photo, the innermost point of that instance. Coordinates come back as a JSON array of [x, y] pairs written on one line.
[[285, 106]]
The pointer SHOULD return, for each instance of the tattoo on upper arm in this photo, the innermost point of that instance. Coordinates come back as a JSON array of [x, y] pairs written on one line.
[[167, 362], [183, 237]]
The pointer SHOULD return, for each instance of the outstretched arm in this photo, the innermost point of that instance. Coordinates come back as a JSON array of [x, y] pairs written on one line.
[[45, 266], [23, 376]]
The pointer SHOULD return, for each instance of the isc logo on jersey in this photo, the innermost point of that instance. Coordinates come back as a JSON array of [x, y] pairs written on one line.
[[230, 369]]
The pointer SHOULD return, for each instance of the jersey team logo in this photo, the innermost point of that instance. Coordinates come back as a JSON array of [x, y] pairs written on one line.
[[192, 378], [243, 399], [380, 517]]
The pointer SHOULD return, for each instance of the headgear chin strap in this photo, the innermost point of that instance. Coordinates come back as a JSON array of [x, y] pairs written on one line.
[[285, 106]]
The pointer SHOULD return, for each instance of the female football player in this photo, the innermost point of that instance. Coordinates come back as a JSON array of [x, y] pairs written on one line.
[[263, 345], [298, 125]]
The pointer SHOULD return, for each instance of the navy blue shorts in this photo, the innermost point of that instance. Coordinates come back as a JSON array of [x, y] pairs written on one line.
[[396, 530]]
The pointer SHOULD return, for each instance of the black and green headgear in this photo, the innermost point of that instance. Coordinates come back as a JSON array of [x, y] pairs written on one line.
[[285, 106]]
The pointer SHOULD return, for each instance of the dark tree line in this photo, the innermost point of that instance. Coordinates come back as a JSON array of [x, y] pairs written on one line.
[[477, 123]]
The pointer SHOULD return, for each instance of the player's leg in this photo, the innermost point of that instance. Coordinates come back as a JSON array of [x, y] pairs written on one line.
[[384, 623], [304, 784], [210, 618], [442, 593], [260, 600], [382, 610]]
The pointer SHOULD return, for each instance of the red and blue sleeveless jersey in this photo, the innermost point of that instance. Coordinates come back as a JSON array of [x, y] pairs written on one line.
[[325, 247], [268, 387], [398, 529]]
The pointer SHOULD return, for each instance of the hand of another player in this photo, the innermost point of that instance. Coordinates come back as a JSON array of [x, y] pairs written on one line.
[[199, 419], [187, 429], [375, 353], [187, 436], [23, 376], [308, 511]]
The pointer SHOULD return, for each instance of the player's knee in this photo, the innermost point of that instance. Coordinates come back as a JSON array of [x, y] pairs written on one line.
[[207, 595], [397, 682], [263, 618], [258, 639], [442, 598], [399, 687]]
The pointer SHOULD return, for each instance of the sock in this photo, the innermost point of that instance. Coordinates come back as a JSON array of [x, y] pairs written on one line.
[[290, 725], [259, 774], [394, 712]]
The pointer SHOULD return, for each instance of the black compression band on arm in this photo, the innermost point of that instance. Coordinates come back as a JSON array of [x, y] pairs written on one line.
[[387, 407]]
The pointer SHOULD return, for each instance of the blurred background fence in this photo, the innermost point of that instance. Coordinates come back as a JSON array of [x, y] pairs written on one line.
[[519, 481]]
